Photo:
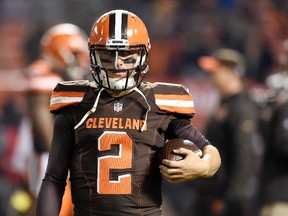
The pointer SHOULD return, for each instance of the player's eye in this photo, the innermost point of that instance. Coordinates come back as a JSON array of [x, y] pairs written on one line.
[[106, 60], [130, 61]]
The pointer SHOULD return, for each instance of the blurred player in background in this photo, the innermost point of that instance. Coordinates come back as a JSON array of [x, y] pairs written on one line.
[[108, 133], [233, 128], [274, 187], [64, 56]]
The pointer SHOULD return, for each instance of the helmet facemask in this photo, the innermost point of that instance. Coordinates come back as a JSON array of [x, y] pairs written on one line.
[[108, 62]]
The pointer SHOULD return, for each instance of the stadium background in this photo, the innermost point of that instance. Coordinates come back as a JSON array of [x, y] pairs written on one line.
[[180, 31]]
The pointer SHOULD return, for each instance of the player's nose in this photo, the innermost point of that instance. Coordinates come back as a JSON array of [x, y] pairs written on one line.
[[119, 63]]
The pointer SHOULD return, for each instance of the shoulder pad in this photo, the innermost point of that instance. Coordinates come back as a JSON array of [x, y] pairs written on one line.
[[41, 78], [69, 93], [173, 98]]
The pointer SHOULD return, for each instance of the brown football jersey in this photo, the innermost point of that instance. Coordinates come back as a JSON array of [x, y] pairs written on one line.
[[112, 154]]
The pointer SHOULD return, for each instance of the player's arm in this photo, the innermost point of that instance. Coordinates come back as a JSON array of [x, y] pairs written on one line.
[[41, 119], [192, 166], [53, 185]]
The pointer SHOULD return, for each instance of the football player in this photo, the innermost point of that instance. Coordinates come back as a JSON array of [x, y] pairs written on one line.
[[108, 132], [64, 56]]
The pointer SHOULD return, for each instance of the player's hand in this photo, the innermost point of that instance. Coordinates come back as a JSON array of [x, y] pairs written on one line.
[[191, 167]]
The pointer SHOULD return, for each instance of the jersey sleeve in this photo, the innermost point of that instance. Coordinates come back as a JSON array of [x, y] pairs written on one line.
[[53, 184], [68, 93], [173, 98], [183, 128]]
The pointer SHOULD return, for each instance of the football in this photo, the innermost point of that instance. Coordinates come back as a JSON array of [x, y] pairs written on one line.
[[166, 152]]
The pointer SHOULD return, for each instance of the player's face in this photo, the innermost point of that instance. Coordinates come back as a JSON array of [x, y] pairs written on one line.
[[221, 77], [118, 62]]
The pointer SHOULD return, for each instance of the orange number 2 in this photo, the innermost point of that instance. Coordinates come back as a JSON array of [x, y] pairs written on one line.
[[121, 161]]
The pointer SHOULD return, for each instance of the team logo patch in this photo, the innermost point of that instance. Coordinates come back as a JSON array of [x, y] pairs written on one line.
[[118, 107]]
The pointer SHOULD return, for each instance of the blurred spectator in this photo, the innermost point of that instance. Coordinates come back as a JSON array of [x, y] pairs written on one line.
[[233, 127], [63, 56], [274, 187], [11, 177], [269, 29]]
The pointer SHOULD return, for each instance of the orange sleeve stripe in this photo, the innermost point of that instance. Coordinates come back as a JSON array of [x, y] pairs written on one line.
[[63, 99], [67, 94], [182, 110], [60, 105], [175, 103], [173, 97]]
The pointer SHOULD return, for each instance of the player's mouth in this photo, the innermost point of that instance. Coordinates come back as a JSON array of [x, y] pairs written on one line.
[[118, 74]]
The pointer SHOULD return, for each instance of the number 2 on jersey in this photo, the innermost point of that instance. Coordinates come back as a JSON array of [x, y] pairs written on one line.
[[123, 160]]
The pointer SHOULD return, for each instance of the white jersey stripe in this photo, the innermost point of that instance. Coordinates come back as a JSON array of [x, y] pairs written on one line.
[[58, 100], [174, 103]]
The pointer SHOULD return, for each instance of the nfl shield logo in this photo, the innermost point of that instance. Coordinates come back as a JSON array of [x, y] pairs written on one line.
[[118, 107]]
